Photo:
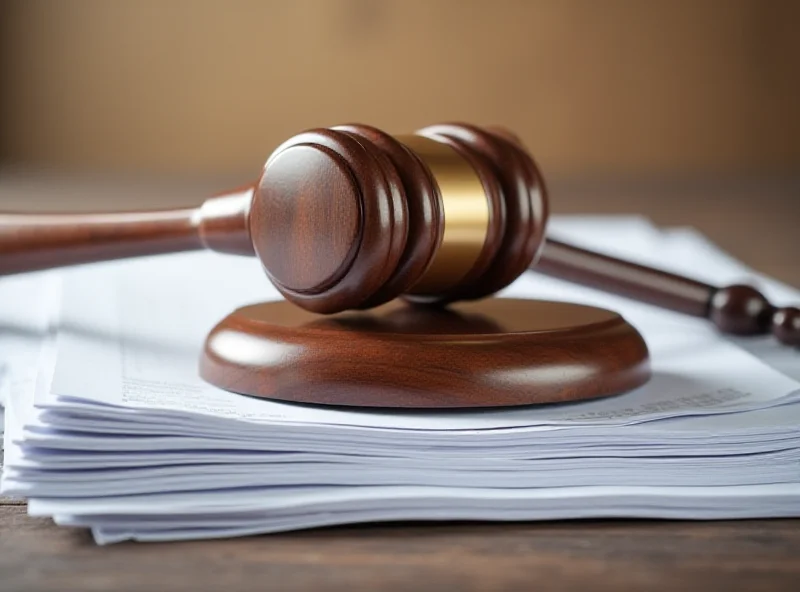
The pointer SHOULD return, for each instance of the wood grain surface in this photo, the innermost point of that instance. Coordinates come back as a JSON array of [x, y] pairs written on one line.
[[586, 555], [756, 220], [493, 352]]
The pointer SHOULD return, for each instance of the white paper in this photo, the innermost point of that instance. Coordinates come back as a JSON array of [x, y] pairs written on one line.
[[134, 340], [117, 433]]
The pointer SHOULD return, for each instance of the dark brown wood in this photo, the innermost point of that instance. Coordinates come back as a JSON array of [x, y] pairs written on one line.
[[743, 310], [491, 353], [307, 179], [622, 277], [739, 309], [30, 242], [223, 221], [566, 556], [570, 556], [786, 325], [349, 218], [306, 192], [425, 226]]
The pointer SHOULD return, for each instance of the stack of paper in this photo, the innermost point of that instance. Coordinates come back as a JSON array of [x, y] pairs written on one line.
[[109, 427]]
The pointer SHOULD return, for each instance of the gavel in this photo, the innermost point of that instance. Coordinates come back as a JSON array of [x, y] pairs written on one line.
[[350, 217]]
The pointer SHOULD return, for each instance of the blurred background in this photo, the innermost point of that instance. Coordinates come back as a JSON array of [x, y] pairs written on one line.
[[609, 87], [626, 104]]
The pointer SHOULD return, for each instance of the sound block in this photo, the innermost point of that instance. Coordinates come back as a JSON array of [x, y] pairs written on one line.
[[488, 353]]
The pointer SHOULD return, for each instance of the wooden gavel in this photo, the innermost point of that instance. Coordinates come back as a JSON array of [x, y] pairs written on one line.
[[351, 217]]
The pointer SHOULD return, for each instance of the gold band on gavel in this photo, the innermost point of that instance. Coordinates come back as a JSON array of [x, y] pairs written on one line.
[[466, 214]]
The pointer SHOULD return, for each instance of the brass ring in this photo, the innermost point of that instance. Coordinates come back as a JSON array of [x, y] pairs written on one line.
[[465, 214]]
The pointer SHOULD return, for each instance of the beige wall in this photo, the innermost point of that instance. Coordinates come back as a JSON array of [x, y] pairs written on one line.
[[608, 87]]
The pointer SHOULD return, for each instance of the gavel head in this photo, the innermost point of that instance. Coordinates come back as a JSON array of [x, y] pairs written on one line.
[[351, 217]]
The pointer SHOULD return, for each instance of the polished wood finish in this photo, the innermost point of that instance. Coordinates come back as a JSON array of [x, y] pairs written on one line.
[[310, 183], [223, 222], [349, 218], [628, 279], [569, 556], [743, 310], [786, 325], [30, 242], [490, 353], [425, 226], [738, 309]]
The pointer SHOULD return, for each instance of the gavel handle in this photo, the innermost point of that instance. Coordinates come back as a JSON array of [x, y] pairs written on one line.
[[31, 242], [738, 309]]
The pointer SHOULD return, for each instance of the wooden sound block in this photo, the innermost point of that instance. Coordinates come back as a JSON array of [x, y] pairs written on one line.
[[486, 353]]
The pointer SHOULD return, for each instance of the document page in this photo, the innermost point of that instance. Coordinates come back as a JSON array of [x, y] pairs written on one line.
[[110, 427], [134, 339]]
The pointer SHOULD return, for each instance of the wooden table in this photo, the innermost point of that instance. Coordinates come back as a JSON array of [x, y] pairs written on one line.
[[758, 221]]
